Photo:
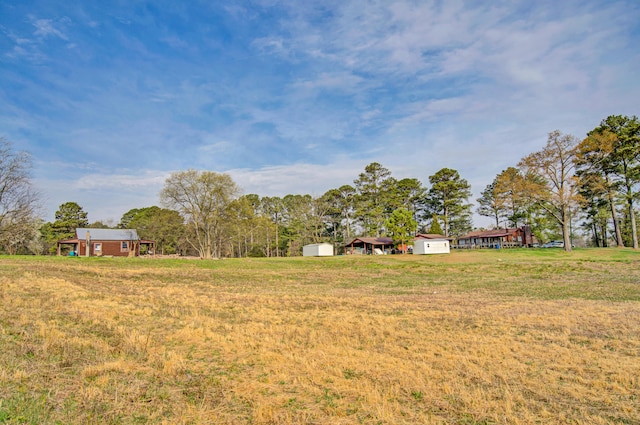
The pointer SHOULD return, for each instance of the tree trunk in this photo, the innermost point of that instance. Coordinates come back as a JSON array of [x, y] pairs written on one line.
[[277, 239], [566, 232], [632, 215], [596, 238], [634, 230], [614, 216], [446, 223]]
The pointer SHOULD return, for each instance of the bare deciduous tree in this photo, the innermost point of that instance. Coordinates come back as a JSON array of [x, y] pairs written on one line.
[[203, 198], [19, 202], [555, 191]]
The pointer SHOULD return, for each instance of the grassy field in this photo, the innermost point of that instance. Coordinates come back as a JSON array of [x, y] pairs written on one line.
[[492, 337]]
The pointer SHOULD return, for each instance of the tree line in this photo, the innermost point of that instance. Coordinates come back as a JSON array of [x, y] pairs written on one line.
[[589, 185], [592, 183], [204, 214]]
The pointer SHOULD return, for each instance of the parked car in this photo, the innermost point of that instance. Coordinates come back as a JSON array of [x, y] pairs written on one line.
[[554, 244]]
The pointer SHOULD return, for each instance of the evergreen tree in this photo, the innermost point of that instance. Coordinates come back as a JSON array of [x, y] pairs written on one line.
[[448, 198], [402, 226], [372, 206], [339, 214], [435, 228], [69, 216], [625, 162], [164, 226]]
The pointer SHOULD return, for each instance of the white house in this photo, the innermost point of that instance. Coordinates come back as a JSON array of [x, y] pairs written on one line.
[[431, 246], [317, 250]]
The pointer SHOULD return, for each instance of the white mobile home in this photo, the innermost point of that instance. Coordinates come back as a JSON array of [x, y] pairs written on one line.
[[431, 246], [317, 250]]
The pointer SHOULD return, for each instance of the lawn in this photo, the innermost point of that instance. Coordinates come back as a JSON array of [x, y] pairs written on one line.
[[483, 337]]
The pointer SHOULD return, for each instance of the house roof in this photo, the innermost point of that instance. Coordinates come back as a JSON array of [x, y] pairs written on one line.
[[495, 233], [108, 234], [430, 236], [372, 241]]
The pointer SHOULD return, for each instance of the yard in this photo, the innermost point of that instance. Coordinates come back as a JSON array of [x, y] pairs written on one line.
[[483, 337]]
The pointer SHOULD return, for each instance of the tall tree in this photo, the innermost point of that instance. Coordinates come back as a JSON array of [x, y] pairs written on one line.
[[488, 203], [592, 189], [242, 215], [448, 197], [274, 208], [202, 197], [555, 189], [511, 196], [341, 207], [69, 216], [298, 217], [626, 161], [595, 168], [19, 202], [410, 194], [372, 188]]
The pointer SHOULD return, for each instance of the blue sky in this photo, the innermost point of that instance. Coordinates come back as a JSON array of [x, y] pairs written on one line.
[[298, 97]]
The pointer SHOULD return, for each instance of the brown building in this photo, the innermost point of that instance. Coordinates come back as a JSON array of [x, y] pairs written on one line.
[[497, 238], [106, 242], [369, 246]]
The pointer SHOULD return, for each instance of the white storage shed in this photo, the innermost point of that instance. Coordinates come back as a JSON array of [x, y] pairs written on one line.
[[431, 246], [317, 250]]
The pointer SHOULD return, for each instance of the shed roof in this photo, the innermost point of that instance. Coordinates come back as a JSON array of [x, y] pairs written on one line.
[[372, 241], [108, 234], [430, 236]]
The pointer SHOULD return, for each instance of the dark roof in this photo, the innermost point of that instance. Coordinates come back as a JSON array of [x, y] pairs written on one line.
[[430, 236], [495, 233], [372, 241], [108, 234]]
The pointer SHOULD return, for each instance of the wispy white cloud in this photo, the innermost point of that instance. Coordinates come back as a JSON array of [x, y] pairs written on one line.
[[286, 179], [298, 97], [344, 81], [270, 45], [47, 28], [118, 181]]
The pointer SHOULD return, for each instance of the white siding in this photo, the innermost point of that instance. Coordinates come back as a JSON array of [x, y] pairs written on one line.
[[318, 250], [431, 246]]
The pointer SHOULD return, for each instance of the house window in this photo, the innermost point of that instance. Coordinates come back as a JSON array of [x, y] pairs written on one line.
[[97, 247], [124, 246]]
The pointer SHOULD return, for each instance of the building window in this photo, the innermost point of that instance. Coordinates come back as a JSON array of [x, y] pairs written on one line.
[[97, 247], [124, 247]]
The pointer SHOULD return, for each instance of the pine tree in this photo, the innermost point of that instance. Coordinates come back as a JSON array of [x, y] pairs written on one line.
[[435, 228]]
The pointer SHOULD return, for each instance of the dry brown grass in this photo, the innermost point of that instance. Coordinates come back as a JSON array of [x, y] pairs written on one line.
[[398, 340]]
